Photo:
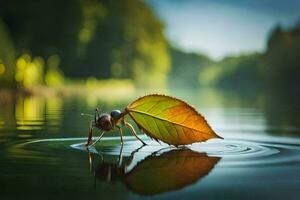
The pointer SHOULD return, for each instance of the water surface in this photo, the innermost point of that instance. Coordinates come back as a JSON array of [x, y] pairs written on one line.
[[42, 153]]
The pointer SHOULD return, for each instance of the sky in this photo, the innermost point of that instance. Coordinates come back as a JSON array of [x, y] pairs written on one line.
[[224, 27]]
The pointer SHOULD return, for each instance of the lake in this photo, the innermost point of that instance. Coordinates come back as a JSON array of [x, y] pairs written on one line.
[[42, 156]]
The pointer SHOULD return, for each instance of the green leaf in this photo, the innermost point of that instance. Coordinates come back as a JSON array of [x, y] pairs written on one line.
[[170, 120]]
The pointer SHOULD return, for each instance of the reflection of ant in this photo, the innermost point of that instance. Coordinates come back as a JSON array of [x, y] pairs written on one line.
[[111, 171]]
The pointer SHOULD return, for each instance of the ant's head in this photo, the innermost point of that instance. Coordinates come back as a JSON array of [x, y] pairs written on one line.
[[106, 121]]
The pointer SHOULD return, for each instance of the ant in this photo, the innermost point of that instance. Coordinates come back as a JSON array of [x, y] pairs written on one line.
[[107, 122]]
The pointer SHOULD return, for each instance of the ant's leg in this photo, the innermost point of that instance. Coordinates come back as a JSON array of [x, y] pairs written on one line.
[[99, 138], [90, 136], [120, 159], [130, 127], [90, 161], [121, 134]]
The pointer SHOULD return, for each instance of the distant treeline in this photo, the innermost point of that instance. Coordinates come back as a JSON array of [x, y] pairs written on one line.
[[82, 38], [44, 42], [278, 68], [185, 68]]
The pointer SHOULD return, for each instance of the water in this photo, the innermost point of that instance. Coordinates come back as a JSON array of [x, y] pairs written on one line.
[[43, 157]]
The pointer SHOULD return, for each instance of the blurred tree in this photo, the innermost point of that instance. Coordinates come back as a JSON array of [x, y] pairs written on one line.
[[236, 72], [281, 60], [119, 39], [43, 27], [186, 68], [54, 76], [29, 71], [277, 69], [282, 74], [129, 43], [7, 56]]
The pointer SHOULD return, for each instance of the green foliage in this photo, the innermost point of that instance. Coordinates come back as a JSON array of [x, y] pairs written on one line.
[[129, 43], [234, 72], [103, 39], [43, 28], [276, 69], [54, 76], [29, 71], [185, 68], [7, 56], [93, 83], [210, 75], [92, 13], [281, 60], [125, 40]]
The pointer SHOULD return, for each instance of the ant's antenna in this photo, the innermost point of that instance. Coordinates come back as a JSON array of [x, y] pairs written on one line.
[[97, 111], [84, 114], [97, 114]]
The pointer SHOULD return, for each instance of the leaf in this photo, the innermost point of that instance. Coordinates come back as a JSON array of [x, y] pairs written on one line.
[[170, 120], [169, 171]]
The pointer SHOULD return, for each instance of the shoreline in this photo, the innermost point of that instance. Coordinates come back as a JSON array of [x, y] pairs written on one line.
[[8, 95]]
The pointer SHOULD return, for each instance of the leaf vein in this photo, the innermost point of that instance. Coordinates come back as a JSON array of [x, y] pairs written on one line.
[[172, 122]]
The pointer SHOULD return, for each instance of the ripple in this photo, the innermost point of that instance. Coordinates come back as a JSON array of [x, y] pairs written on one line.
[[234, 153], [235, 148], [239, 153]]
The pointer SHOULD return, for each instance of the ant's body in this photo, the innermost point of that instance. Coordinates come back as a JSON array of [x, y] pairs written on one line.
[[107, 122]]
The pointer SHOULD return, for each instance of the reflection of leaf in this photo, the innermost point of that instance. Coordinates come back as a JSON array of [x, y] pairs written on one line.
[[170, 120], [169, 171]]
